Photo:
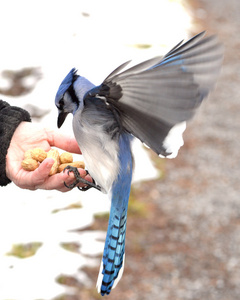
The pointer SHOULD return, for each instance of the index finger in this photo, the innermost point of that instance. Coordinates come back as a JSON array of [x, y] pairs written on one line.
[[63, 142]]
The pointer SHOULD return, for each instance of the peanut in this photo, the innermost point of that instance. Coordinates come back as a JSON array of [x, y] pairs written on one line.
[[28, 154], [38, 154], [77, 164], [66, 157], [29, 164], [53, 153], [33, 158]]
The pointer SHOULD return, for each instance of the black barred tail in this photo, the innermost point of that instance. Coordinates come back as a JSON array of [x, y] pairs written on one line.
[[113, 257]]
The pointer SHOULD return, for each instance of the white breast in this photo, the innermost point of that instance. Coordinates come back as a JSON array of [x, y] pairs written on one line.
[[100, 151]]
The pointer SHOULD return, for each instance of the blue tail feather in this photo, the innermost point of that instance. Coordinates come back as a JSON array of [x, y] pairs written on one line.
[[113, 255]]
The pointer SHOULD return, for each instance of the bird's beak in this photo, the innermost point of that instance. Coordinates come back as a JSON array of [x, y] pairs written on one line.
[[61, 118]]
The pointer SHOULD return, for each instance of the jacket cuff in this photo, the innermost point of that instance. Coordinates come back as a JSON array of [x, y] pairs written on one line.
[[10, 118]]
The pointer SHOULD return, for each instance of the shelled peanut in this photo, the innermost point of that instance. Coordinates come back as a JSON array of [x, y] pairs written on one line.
[[34, 157]]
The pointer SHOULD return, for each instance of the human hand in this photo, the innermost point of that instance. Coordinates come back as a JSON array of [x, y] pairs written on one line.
[[29, 136]]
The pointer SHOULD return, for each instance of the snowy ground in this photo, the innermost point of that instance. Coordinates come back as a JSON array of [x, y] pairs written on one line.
[[95, 37]]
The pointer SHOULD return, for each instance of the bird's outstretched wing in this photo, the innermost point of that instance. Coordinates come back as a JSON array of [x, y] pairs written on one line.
[[154, 99]]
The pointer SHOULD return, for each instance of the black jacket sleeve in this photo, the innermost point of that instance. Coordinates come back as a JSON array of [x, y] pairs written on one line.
[[10, 118]]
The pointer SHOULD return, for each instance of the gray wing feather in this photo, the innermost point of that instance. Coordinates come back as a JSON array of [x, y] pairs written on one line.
[[167, 97], [161, 92]]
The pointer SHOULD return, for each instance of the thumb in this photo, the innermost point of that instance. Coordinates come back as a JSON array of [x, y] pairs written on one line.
[[42, 172]]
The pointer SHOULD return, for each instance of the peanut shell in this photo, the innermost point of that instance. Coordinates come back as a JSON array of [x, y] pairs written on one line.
[[28, 154], [29, 164], [66, 157], [77, 164], [53, 153], [38, 154]]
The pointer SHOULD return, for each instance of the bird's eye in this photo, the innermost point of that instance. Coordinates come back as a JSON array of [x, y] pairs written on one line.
[[61, 104]]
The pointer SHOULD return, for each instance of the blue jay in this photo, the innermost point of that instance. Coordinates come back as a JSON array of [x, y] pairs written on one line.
[[151, 101]]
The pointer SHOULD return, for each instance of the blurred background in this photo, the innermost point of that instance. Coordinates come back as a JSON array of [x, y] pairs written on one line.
[[183, 231]]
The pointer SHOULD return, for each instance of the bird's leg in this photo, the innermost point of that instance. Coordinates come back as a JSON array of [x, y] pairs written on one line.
[[79, 179]]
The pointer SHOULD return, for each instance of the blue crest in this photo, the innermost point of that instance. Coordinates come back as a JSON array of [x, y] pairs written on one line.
[[66, 83]]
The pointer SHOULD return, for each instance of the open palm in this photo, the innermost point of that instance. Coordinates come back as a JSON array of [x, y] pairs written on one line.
[[29, 136]]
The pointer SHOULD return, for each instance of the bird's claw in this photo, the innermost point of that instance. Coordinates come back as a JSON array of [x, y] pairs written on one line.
[[79, 179]]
